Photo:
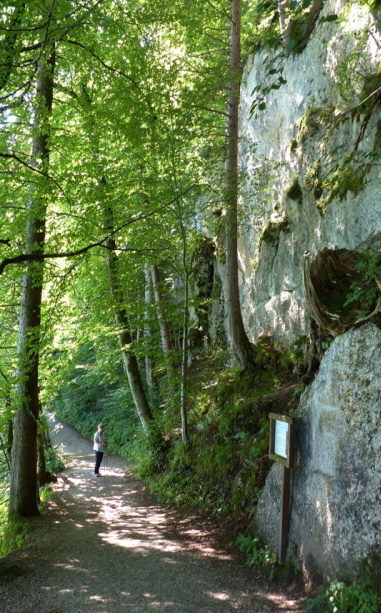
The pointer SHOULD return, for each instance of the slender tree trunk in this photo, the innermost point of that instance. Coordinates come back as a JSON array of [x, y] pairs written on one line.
[[148, 331], [41, 463], [184, 367], [129, 359], [165, 336], [23, 490], [9, 439], [130, 362], [240, 344], [283, 21]]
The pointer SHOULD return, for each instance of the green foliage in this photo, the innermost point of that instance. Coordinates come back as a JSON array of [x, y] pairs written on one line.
[[46, 494], [312, 121], [256, 554], [54, 462], [338, 597], [364, 291], [224, 469], [12, 533], [89, 397], [148, 453]]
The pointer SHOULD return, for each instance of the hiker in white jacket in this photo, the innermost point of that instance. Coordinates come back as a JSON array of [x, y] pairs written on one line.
[[99, 448]]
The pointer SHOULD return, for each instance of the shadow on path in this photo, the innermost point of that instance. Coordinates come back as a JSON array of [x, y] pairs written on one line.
[[106, 546]]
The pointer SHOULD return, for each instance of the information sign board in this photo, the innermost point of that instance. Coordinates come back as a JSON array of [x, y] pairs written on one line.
[[281, 439], [282, 450]]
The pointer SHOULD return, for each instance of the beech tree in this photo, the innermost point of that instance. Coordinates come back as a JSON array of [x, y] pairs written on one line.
[[23, 491], [158, 70]]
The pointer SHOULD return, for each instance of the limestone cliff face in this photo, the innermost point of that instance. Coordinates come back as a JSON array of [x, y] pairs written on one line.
[[311, 161], [310, 182]]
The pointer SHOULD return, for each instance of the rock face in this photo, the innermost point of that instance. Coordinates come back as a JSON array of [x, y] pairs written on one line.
[[310, 182], [310, 162], [336, 484]]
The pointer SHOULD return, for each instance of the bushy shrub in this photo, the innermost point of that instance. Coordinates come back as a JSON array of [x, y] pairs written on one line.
[[339, 597]]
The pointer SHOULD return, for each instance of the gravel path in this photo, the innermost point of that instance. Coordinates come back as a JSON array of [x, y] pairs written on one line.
[[106, 546]]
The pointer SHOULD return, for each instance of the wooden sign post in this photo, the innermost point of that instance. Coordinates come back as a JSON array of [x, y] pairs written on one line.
[[282, 450]]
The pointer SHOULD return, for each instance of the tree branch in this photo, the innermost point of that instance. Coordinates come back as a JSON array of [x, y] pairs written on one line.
[[119, 72], [38, 257], [356, 106], [372, 314]]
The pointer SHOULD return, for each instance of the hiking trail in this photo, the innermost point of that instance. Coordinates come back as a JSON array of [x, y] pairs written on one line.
[[107, 546]]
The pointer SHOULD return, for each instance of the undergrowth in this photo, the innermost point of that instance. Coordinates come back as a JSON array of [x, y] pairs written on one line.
[[256, 553], [12, 533], [339, 597], [223, 468]]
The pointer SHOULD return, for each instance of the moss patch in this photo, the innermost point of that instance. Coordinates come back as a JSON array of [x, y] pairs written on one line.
[[313, 181], [272, 230], [312, 121], [294, 191], [342, 179]]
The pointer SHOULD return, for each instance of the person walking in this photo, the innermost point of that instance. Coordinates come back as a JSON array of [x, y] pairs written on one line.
[[99, 448]]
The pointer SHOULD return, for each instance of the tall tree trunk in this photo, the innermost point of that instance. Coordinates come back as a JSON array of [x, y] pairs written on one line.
[[165, 336], [184, 366], [284, 21], [9, 439], [148, 331], [240, 344], [129, 359], [130, 362], [41, 462], [23, 489]]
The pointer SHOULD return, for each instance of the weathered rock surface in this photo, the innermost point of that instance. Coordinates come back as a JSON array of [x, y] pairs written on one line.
[[336, 484], [299, 196]]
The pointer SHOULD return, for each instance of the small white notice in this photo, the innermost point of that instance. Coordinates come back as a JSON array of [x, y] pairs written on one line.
[[281, 438], [282, 450]]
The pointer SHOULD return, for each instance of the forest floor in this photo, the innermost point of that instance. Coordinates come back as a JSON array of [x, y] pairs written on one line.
[[107, 546]]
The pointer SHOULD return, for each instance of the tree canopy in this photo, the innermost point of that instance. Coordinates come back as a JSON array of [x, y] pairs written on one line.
[[118, 141]]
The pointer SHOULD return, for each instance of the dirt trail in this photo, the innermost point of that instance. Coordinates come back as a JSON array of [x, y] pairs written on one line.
[[106, 546]]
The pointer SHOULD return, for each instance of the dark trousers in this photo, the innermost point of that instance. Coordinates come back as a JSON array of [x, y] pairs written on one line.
[[98, 460]]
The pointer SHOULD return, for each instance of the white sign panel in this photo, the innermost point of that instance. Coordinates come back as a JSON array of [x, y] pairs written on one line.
[[281, 438]]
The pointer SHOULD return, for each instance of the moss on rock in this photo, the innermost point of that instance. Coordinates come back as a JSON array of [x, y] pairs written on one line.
[[342, 179], [294, 191], [272, 230], [313, 181]]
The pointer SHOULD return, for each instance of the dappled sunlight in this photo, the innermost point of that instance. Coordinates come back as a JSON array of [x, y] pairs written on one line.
[[141, 545], [116, 549], [69, 566], [280, 601], [141, 530], [218, 595]]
